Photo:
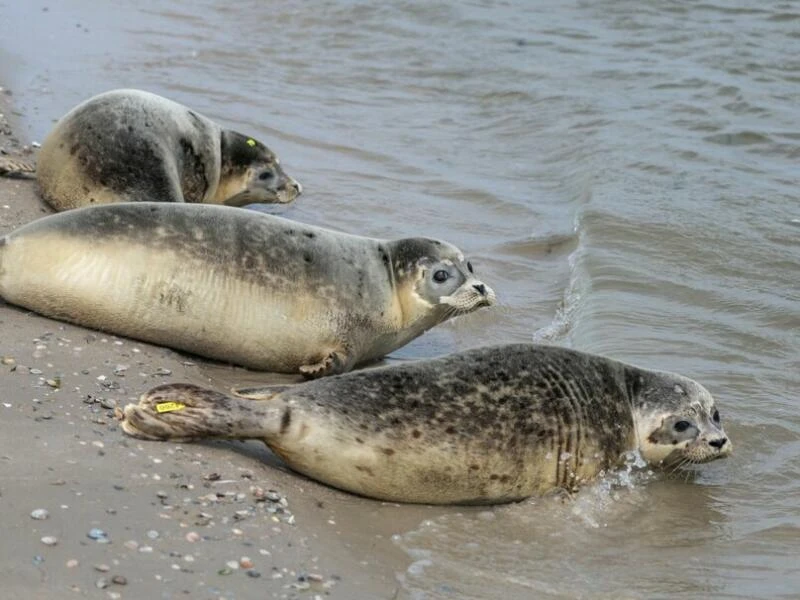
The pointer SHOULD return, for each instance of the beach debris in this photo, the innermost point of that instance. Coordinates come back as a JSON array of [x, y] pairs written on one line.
[[97, 534], [40, 514], [193, 537], [49, 540], [108, 403]]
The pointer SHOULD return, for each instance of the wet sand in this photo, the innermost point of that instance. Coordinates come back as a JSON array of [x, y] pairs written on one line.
[[130, 519]]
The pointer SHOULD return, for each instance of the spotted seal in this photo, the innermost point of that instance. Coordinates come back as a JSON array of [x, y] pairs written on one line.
[[236, 285], [131, 145], [489, 425]]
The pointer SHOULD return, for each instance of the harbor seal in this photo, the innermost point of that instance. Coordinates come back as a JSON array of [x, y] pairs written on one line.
[[236, 285], [489, 425], [131, 145]]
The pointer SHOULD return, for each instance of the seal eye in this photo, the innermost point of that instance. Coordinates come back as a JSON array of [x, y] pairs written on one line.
[[682, 426], [715, 416], [264, 175], [469, 267], [441, 276]]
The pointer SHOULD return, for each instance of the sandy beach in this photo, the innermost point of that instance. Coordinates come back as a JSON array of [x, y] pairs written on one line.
[[89, 512]]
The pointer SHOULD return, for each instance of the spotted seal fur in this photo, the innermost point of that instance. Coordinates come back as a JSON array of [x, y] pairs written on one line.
[[236, 285], [131, 145], [489, 425]]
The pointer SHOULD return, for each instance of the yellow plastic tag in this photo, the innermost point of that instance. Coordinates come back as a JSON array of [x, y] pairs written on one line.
[[251, 142], [163, 407]]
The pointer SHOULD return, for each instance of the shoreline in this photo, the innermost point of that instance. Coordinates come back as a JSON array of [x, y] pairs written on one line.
[[154, 519]]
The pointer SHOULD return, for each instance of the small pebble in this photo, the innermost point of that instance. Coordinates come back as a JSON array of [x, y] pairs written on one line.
[[8, 360], [102, 568], [40, 514], [273, 496], [131, 545], [119, 580], [245, 563], [108, 403], [98, 535], [153, 534], [192, 537], [253, 574], [37, 560], [72, 563], [232, 564], [102, 583], [49, 540], [225, 571]]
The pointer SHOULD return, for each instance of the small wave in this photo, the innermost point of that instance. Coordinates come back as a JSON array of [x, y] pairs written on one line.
[[577, 289], [741, 138], [538, 246]]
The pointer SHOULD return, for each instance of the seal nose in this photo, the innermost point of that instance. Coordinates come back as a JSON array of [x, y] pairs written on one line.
[[718, 444], [481, 288], [298, 189]]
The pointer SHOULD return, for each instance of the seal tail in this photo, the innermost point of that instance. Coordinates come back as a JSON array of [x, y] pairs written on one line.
[[183, 412]]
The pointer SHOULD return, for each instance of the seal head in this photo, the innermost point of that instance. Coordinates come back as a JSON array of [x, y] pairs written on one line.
[[251, 173], [677, 422], [435, 281]]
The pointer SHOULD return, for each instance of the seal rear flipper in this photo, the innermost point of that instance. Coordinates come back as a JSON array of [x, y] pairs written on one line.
[[13, 168], [184, 412]]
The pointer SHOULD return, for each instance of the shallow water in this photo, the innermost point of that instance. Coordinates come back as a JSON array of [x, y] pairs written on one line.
[[624, 175]]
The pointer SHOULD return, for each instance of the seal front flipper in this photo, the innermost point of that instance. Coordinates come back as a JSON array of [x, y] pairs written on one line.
[[185, 412], [334, 363], [241, 199]]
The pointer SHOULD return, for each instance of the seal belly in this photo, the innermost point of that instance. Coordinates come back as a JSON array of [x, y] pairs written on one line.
[[154, 294]]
